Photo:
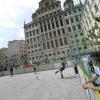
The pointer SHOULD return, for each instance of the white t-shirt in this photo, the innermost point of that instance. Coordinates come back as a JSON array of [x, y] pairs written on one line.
[[97, 71]]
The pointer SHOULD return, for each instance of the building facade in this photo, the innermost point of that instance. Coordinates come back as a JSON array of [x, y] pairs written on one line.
[[4, 58], [46, 35], [53, 32], [16, 53], [72, 16], [90, 9]]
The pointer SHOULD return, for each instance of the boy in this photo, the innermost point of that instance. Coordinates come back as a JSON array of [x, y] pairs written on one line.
[[61, 68]]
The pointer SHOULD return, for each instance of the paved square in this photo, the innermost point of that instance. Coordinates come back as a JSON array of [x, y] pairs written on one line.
[[48, 87]]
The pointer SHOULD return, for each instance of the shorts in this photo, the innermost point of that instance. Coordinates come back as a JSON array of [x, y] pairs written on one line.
[[62, 68], [95, 84]]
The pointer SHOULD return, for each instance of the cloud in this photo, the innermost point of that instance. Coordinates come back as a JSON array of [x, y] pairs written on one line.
[[20, 34], [3, 42], [12, 9], [13, 13]]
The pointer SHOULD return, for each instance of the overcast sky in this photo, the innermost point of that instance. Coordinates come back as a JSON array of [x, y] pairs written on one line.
[[13, 14]]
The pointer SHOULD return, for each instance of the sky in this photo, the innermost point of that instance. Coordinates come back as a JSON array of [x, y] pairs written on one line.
[[13, 14]]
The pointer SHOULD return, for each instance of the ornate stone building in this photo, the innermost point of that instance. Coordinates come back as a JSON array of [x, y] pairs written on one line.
[[46, 35], [4, 58], [91, 9], [72, 16], [53, 32], [17, 53]]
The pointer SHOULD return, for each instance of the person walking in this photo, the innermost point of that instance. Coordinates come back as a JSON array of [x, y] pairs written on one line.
[[63, 65], [11, 71], [34, 70]]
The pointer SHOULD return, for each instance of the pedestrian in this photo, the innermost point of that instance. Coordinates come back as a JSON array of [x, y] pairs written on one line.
[[34, 70], [63, 65], [96, 79], [11, 71], [75, 69]]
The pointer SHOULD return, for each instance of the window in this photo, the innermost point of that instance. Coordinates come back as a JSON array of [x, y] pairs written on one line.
[[58, 32], [65, 40], [35, 46], [74, 28], [61, 22], [69, 12], [41, 29], [35, 50], [65, 14], [38, 38], [79, 27], [32, 51], [39, 45], [69, 29], [37, 31], [61, 42], [33, 32], [54, 32], [81, 34], [67, 21], [63, 31], [43, 36], [74, 11], [31, 41], [72, 20], [28, 41], [48, 45], [31, 46], [53, 26], [79, 48], [49, 27], [26, 34], [77, 40], [28, 47], [50, 34], [85, 47], [45, 28], [63, 52], [56, 43], [30, 33], [34, 39], [26, 28], [49, 54], [57, 24], [74, 49], [79, 9], [72, 41], [58, 52], [54, 54], [46, 35], [76, 35], [28, 52], [71, 36], [39, 49], [52, 44], [52, 23], [33, 57], [44, 46], [76, 18]]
